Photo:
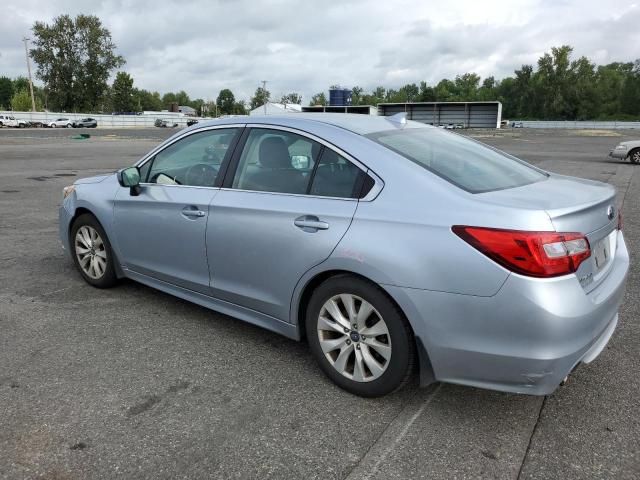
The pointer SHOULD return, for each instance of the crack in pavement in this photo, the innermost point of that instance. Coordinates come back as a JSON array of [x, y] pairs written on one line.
[[391, 436]]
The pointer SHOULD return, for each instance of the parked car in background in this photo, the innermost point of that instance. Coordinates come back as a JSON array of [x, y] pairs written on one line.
[[191, 121], [60, 122], [11, 121], [630, 150], [388, 244], [86, 123]]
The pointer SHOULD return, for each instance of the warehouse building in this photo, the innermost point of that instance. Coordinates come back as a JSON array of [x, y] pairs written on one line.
[[448, 114], [363, 109]]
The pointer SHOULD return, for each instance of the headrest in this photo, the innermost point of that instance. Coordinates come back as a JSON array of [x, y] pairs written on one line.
[[273, 153], [329, 157]]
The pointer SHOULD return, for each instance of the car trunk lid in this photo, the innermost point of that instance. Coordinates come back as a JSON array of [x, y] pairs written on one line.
[[573, 205]]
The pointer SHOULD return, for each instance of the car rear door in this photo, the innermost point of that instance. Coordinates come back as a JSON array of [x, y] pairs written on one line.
[[267, 226], [161, 231]]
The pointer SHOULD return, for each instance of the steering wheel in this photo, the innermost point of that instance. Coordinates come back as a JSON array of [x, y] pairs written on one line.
[[201, 174]]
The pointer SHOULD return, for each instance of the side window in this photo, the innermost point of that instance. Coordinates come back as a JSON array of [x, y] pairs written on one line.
[[276, 161], [336, 177], [194, 160]]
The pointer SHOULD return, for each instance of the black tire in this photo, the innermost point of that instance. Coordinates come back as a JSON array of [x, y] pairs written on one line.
[[108, 278], [634, 156], [402, 361]]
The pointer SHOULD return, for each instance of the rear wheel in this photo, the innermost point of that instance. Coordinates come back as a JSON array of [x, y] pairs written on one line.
[[634, 156], [69, 125], [53, 125], [92, 252], [359, 337]]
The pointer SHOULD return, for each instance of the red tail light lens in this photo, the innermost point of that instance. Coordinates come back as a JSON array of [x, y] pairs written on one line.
[[535, 254]]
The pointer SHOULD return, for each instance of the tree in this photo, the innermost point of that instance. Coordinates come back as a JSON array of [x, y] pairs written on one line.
[[291, 98], [240, 108], [356, 95], [74, 58], [318, 99], [21, 102], [261, 97], [226, 102], [6, 92], [144, 100], [123, 93]]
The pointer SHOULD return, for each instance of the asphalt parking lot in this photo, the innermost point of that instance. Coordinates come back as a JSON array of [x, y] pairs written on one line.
[[133, 383]]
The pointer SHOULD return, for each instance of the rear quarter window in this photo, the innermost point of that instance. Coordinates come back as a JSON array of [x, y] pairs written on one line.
[[468, 164]]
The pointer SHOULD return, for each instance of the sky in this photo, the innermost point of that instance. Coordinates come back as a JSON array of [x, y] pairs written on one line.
[[305, 46]]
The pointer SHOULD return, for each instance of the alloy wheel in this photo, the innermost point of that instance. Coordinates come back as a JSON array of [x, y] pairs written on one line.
[[91, 252], [354, 337], [635, 157]]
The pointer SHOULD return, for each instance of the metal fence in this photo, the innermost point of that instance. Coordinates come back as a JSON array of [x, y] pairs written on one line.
[[105, 121], [585, 124]]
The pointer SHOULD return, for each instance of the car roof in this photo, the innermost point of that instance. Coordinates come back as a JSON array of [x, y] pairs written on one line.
[[356, 123]]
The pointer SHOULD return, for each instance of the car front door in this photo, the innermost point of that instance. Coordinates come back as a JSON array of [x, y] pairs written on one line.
[[161, 231], [268, 226]]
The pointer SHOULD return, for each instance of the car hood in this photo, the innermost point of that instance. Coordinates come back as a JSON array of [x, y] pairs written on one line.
[[94, 179]]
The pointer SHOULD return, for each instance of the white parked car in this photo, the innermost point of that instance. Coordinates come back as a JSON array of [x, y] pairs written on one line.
[[630, 150], [11, 121], [61, 122]]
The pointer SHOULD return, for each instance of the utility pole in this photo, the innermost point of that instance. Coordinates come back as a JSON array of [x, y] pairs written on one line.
[[26, 53], [264, 95]]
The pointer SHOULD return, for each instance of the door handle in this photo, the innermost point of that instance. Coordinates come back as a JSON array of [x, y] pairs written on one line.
[[310, 223], [193, 213]]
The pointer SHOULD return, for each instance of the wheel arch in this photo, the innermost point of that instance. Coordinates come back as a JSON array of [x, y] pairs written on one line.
[[631, 152], [426, 373], [81, 210]]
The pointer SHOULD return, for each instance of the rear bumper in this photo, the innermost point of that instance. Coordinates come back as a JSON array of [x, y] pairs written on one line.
[[525, 339]]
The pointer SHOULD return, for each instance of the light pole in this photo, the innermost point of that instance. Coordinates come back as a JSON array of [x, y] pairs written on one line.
[[26, 53], [264, 95]]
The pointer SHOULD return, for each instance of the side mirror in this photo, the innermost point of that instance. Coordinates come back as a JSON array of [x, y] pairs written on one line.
[[130, 178]]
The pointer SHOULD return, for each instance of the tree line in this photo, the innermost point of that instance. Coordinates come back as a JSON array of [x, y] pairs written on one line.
[[558, 89], [76, 57]]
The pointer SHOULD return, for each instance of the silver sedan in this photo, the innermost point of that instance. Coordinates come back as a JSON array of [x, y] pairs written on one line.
[[390, 246]]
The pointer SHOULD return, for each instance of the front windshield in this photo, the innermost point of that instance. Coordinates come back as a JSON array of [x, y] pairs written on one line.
[[468, 164]]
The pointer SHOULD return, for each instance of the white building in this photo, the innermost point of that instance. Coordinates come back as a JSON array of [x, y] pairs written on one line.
[[276, 109]]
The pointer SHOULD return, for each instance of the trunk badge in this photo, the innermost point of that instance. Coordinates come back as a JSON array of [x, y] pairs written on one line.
[[611, 212]]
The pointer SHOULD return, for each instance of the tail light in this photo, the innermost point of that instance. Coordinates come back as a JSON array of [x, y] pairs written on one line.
[[535, 254], [620, 222]]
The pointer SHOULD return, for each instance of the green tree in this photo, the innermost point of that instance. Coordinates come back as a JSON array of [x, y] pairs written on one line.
[[318, 99], [240, 108], [74, 58], [427, 93], [6, 92], [144, 100], [630, 95], [466, 87], [226, 102], [291, 98], [123, 100], [21, 102], [356, 95], [261, 97]]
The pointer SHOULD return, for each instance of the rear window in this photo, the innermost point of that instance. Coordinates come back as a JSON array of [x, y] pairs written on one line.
[[466, 163]]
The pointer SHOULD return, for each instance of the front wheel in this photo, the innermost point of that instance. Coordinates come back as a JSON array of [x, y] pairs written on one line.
[[634, 156], [92, 252], [359, 337], [69, 125], [53, 125]]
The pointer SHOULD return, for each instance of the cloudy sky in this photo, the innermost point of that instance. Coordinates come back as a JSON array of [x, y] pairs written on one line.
[[305, 46]]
